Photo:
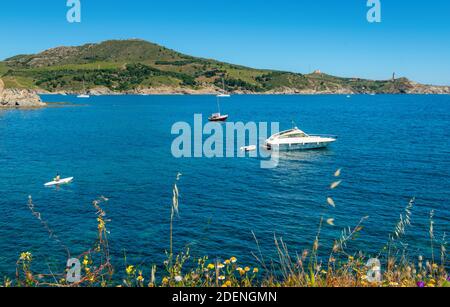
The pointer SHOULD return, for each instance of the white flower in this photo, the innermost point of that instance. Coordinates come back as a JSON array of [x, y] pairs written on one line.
[[178, 278]]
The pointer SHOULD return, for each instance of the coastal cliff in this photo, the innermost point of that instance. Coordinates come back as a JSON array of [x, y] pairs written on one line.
[[19, 98]]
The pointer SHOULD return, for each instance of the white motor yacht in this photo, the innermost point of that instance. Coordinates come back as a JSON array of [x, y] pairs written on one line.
[[295, 139]]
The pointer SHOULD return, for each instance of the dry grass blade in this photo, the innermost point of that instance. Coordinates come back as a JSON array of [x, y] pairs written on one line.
[[330, 201], [338, 173], [335, 184]]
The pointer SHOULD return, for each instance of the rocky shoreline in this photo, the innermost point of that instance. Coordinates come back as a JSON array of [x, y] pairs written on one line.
[[415, 90], [19, 98], [30, 99]]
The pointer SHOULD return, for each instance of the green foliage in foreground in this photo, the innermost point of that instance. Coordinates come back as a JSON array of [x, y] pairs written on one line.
[[123, 66], [306, 270]]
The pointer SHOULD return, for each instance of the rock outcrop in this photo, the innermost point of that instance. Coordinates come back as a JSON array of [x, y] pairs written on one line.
[[19, 98]]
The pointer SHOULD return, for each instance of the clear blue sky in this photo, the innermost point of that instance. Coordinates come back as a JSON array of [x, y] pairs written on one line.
[[413, 38]]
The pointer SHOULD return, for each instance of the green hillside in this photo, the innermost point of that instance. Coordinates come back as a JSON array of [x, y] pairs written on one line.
[[129, 65]]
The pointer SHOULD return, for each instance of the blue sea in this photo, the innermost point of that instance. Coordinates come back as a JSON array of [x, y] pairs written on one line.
[[391, 148]]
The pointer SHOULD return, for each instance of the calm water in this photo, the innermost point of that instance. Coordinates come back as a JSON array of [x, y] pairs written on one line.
[[391, 148]]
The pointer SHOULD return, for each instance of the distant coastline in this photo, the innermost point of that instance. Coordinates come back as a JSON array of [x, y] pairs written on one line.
[[119, 67]]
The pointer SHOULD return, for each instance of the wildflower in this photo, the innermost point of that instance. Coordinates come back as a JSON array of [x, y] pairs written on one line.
[[220, 266], [85, 262], [221, 277], [87, 270], [432, 281], [255, 270], [165, 280], [241, 271], [27, 256], [233, 259], [351, 258], [393, 284], [130, 270], [227, 262], [435, 266], [421, 284], [323, 272], [140, 278], [178, 278], [430, 285], [101, 223], [247, 269], [211, 266], [228, 283]]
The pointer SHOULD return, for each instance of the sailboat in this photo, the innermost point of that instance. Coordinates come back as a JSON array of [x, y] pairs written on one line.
[[84, 90], [224, 93], [218, 117]]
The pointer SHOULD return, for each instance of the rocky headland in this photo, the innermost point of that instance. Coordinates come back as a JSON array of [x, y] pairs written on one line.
[[19, 98]]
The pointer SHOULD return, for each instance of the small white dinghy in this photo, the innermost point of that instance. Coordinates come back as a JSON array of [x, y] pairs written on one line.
[[248, 148], [59, 182]]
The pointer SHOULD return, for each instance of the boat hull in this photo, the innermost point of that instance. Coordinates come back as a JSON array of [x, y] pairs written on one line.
[[298, 146], [60, 182], [218, 118]]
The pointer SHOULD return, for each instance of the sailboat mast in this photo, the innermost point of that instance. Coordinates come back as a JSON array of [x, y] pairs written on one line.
[[218, 104]]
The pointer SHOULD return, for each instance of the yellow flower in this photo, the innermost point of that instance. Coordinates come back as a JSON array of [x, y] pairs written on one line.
[[130, 270], [101, 224], [351, 258], [430, 285], [87, 269], [85, 262], [227, 262], [27, 256], [241, 271], [140, 278], [228, 283], [211, 266], [323, 272], [233, 259], [435, 266], [221, 277], [220, 266], [247, 269], [255, 270], [165, 280], [432, 281], [393, 284]]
